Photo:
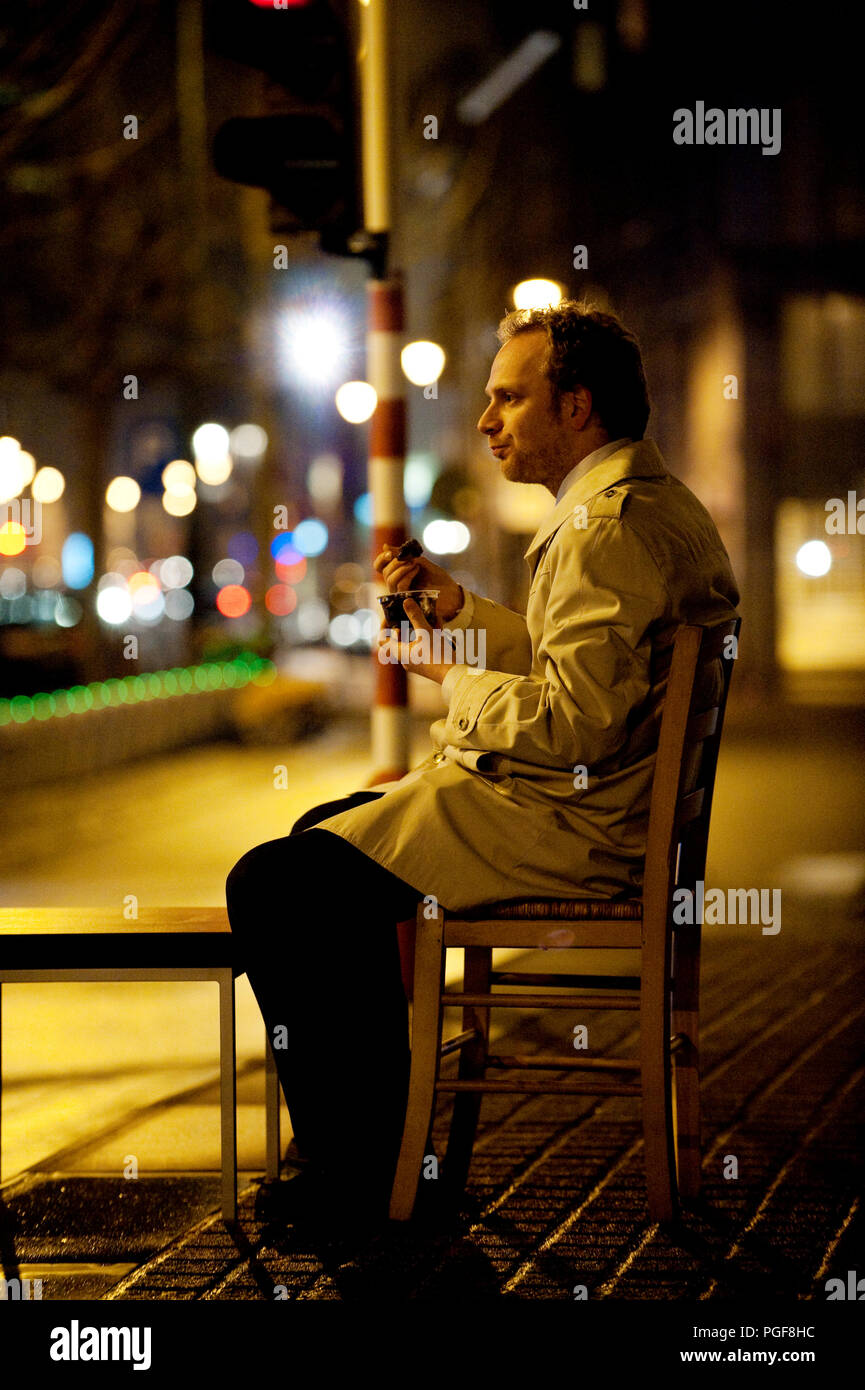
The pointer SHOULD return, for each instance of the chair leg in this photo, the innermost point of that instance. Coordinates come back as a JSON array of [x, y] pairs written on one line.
[[473, 1061], [686, 1074], [655, 1064], [271, 1111], [425, 1049], [228, 1095]]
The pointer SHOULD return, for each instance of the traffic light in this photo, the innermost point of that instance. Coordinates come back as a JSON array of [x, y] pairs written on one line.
[[302, 146]]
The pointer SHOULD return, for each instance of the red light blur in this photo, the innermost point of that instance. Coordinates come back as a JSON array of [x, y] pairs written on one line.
[[280, 600], [233, 601]]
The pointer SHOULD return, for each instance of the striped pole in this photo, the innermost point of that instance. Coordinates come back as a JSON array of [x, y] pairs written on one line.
[[390, 716]]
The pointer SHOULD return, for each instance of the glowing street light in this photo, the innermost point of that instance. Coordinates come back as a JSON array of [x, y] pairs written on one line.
[[537, 294], [179, 503], [248, 442], [356, 401], [178, 477], [814, 558], [123, 494], [315, 345], [422, 362], [48, 485]]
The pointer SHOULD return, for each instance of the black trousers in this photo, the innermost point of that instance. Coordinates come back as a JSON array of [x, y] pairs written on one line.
[[315, 923]]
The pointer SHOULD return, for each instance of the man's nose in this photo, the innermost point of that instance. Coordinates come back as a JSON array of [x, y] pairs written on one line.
[[487, 423]]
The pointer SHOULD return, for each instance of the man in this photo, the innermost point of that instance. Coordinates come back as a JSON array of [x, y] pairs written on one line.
[[540, 781]]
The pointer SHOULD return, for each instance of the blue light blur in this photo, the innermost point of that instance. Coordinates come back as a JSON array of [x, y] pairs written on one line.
[[284, 551], [76, 560], [363, 509], [310, 536]]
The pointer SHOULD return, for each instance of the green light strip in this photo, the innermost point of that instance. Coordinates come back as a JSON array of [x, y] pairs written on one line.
[[134, 690]]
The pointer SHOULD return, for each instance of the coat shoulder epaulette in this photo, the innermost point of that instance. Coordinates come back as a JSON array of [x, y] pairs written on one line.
[[607, 503]]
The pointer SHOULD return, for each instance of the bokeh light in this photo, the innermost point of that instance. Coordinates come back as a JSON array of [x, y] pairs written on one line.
[[179, 604], [344, 630], [422, 362], [356, 401], [175, 572], [76, 560], [227, 572], [280, 600], [12, 471], [537, 294], [114, 604], [363, 509], [310, 536], [210, 441], [123, 494], [48, 484], [233, 601], [28, 465], [446, 537], [67, 611], [46, 572], [179, 503], [420, 473], [214, 471], [13, 583], [313, 617], [324, 479], [13, 538], [247, 442], [243, 547], [814, 558], [179, 476]]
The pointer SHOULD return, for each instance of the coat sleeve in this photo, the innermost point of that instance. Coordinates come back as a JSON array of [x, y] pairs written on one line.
[[507, 644], [595, 652]]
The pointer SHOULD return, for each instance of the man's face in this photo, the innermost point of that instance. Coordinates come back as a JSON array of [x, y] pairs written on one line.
[[527, 431]]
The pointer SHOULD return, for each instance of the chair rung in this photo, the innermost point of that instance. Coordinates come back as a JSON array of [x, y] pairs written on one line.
[[544, 1001], [458, 1040], [579, 1087], [549, 1062], [519, 977]]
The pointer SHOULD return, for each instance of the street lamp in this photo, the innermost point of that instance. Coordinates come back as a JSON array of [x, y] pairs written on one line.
[[356, 401], [537, 294], [422, 362]]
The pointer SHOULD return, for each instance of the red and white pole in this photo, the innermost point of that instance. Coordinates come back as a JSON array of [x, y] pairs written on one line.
[[390, 721], [390, 718]]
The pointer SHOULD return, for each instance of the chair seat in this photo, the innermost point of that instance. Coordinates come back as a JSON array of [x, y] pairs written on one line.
[[566, 909]]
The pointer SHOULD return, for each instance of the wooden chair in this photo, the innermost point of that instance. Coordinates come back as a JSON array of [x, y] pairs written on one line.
[[665, 994], [47, 944]]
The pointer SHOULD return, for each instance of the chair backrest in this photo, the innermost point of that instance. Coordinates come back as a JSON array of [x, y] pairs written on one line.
[[687, 759]]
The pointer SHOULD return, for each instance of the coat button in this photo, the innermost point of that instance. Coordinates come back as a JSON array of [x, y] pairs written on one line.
[[611, 493], [463, 723]]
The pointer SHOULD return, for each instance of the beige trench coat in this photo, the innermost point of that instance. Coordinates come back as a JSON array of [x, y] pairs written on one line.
[[500, 810]]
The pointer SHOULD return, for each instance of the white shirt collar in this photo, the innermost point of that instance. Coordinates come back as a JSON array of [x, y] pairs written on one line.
[[590, 461]]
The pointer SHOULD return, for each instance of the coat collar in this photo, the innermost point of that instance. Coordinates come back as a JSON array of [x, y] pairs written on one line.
[[641, 459]]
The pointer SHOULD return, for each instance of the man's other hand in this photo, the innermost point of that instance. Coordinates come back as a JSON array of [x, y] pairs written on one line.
[[420, 574]]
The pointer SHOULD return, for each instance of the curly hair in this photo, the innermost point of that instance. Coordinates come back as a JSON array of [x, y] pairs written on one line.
[[590, 348]]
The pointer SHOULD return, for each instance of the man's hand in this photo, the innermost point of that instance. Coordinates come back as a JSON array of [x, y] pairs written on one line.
[[420, 574], [418, 654]]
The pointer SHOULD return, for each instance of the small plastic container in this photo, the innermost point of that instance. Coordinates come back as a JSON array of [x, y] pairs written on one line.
[[394, 610]]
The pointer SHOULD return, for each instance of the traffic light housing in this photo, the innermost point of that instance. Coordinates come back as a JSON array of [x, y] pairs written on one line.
[[303, 145]]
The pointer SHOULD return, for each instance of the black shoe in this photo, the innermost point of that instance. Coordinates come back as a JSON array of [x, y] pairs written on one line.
[[312, 1203]]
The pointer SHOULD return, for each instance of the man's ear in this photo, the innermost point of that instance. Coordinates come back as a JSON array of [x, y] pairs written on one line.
[[578, 404]]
